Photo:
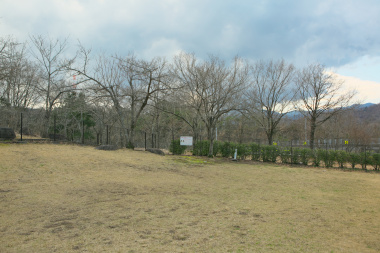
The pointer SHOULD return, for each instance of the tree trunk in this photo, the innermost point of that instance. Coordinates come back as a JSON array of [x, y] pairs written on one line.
[[131, 141], [270, 139], [313, 126], [210, 135]]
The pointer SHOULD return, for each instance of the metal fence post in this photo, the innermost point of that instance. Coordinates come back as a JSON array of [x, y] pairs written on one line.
[[107, 140], [145, 140], [21, 127], [55, 122], [82, 131], [291, 152]]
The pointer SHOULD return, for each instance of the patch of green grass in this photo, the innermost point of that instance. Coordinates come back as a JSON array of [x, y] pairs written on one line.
[[192, 160]]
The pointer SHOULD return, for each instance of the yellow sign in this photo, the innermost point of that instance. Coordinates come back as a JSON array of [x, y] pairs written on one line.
[[305, 143], [346, 142]]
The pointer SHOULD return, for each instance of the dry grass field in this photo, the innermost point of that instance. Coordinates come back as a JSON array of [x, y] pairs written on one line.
[[63, 198]]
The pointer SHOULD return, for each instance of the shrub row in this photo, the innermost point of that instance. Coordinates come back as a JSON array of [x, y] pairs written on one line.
[[267, 153]]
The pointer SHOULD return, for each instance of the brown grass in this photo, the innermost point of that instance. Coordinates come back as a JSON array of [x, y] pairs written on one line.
[[69, 198]]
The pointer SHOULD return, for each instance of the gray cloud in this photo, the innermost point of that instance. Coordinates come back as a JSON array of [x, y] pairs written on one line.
[[332, 32]]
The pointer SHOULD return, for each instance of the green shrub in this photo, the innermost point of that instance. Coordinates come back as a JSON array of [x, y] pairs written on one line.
[[201, 148], [328, 157], [243, 150], [296, 155], [270, 153], [286, 155], [341, 158], [353, 159], [176, 147], [317, 157], [364, 159], [375, 161], [217, 147], [306, 155], [227, 149], [255, 151]]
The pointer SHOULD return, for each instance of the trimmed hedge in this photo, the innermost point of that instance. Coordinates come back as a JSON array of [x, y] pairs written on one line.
[[289, 155], [176, 147]]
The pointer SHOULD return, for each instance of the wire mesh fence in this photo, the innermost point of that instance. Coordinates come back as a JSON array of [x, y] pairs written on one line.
[[30, 123]]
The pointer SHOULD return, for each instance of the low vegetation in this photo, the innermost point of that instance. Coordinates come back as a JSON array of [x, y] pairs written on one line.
[[289, 155], [63, 198]]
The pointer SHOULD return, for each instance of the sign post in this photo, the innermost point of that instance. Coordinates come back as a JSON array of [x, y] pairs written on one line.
[[186, 140]]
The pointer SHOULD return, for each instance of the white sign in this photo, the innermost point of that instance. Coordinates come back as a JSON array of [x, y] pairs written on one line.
[[186, 140]]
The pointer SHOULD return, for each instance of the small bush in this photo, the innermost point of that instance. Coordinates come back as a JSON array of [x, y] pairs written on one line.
[[176, 148], [353, 159], [217, 147], [270, 153], [201, 148], [341, 158], [317, 157], [375, 161], [286, 155], [296, 155], [364, 159], [255, 151], [328, 157], [243, 151], [7, 133], [306, 155], [227, 149]]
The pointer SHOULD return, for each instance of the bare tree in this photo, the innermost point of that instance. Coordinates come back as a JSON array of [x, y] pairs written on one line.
[[18, 82], [144, 80], [49, 54], [269, 95], [320, 96], [127, 81], [3, 56], [211, 88]]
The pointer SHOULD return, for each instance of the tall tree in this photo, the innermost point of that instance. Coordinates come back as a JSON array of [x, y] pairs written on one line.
[[145, 80], [129, 82], [269, 94], [49, 54], [320, 96], [18, 81], [211, 88]]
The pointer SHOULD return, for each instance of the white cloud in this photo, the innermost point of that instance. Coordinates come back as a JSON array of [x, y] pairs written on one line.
[[368, 91], [162, 47], [366, 68]]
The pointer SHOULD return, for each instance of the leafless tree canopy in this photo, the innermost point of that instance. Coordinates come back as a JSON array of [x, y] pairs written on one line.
[[93, 95], [211, 88], [269, 95], [320, 96], [127, 81]]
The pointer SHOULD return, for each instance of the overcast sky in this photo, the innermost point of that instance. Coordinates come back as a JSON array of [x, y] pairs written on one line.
[[344, 35]]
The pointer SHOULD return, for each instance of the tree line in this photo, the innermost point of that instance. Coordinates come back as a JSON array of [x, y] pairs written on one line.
[[186, 94]]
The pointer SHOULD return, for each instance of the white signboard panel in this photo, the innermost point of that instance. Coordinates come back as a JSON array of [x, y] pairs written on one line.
[[186, 140]]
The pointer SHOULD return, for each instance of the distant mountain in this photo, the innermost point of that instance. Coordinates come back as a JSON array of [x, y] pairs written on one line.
[[293, 115], [366, 105], [368, 111], [361, 106]]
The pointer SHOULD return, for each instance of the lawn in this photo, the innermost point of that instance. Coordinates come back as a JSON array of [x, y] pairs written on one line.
[[66, 198]]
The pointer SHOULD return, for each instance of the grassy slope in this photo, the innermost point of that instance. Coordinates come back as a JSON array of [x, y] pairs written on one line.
[[70, 198]]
